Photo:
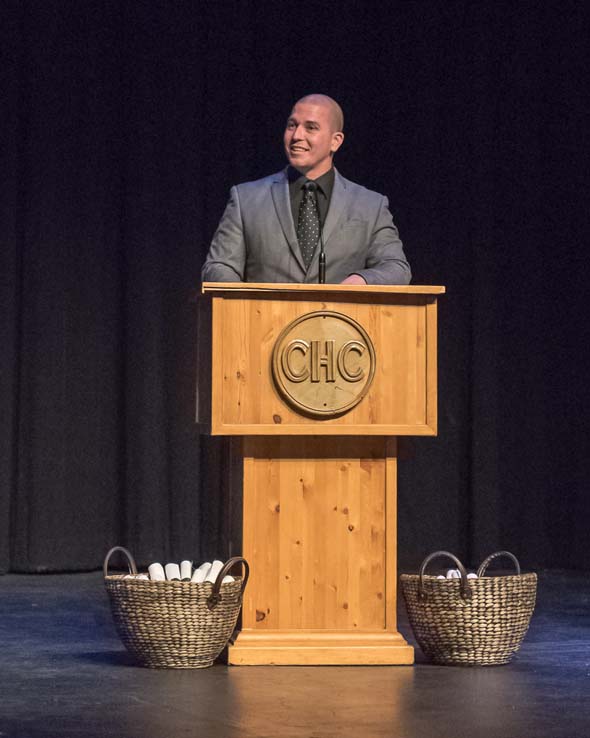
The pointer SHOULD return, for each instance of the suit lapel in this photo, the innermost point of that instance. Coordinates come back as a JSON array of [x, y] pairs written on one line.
[[282, 202], [337, 206]]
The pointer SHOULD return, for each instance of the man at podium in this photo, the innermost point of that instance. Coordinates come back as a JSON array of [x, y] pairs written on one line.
[[307, 223]]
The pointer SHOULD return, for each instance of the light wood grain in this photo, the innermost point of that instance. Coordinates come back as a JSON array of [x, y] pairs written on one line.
[[320, 496], [320, 536], [315, 648], [391, 534], [401, 399], [237, 288]]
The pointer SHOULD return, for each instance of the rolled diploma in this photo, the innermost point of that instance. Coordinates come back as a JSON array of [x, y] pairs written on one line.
[[172, 571], [156, 572], [227, 579], [200, 573], [186, 570], [216, 567]]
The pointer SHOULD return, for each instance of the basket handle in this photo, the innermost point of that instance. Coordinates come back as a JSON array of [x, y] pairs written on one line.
[[215, 597], [130, 560], [484, 564], [464, 588]]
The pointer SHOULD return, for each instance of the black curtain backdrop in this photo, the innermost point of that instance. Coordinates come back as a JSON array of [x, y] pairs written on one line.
[[123, 126]]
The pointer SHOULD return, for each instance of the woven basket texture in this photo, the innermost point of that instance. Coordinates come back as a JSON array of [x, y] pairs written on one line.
[[487, 629], [168, 624]]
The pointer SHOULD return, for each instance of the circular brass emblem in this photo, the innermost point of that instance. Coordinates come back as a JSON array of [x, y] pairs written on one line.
[[323, 363]]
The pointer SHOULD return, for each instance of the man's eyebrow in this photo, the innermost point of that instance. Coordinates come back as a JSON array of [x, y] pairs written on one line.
[[292, 119]]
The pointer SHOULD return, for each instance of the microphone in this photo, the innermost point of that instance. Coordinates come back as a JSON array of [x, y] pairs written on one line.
[[312, 187]]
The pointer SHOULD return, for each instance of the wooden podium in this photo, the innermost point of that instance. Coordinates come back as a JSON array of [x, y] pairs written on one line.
[[318, 380]]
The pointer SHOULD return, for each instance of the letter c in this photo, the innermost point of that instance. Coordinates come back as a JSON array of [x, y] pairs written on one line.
[[290, 372], [351, 375]]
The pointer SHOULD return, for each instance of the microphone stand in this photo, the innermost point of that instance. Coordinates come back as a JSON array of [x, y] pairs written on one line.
[[322, 261], [322, 254]]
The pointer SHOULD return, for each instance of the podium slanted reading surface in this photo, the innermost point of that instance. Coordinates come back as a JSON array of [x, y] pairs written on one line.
[[318, 380]]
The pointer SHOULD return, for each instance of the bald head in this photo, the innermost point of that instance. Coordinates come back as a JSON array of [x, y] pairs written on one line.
[[334, 110], [313, 134]]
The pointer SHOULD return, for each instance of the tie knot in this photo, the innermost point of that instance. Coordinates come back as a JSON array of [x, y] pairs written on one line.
[[309, 186]]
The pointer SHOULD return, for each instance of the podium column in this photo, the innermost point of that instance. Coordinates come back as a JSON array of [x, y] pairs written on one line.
[[319, 532]]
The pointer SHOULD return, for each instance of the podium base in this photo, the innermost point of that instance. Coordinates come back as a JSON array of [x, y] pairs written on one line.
[[319, 648]]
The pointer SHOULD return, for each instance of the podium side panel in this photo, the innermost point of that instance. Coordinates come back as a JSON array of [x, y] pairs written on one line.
[[203, 373]]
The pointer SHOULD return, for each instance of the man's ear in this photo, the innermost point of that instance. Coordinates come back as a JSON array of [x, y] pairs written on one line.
[[337, 139]]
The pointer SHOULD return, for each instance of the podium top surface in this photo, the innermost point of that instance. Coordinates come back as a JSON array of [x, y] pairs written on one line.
[[265, 287]]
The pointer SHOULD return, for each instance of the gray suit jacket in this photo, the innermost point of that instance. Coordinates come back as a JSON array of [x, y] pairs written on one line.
[[256, 239]]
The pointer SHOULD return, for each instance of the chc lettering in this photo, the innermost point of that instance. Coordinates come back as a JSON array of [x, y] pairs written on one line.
[[309, 360]]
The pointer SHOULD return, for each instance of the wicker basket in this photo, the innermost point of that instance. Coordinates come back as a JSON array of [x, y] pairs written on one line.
[[171, 624], [470, 621]]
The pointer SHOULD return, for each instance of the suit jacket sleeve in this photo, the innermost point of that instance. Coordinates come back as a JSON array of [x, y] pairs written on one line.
[[226, 259], [385, 261]]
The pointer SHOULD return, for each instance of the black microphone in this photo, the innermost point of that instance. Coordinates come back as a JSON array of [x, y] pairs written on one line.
[[312, 187]]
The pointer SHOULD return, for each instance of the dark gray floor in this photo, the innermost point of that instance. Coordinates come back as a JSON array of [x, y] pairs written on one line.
[[64, 673]]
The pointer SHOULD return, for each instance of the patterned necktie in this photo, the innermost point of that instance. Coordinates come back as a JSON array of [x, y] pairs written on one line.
[[308, 224]]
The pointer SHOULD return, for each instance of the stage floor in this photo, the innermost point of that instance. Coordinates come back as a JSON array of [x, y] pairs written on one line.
[[63, 673]]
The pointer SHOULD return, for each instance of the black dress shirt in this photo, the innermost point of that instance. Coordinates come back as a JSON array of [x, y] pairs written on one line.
[[325, 185]]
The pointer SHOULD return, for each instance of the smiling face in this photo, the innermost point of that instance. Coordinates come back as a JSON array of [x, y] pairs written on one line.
[[311, 136]]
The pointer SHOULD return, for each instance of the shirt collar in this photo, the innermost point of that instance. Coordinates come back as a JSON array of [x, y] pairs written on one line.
[[325, 183]]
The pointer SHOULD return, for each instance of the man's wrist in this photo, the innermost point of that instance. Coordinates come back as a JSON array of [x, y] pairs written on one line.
[[354, 279]]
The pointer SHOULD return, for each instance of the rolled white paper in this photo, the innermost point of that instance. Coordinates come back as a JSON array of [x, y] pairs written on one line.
[[440, 576], [156, 572], [227, 579], [453, 574], [216, 567], [200, 573], [142, 576], [186, 570], [471, 575], [172, 572]]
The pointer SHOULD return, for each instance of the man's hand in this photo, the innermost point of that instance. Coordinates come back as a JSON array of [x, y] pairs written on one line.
[[353, 279]]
